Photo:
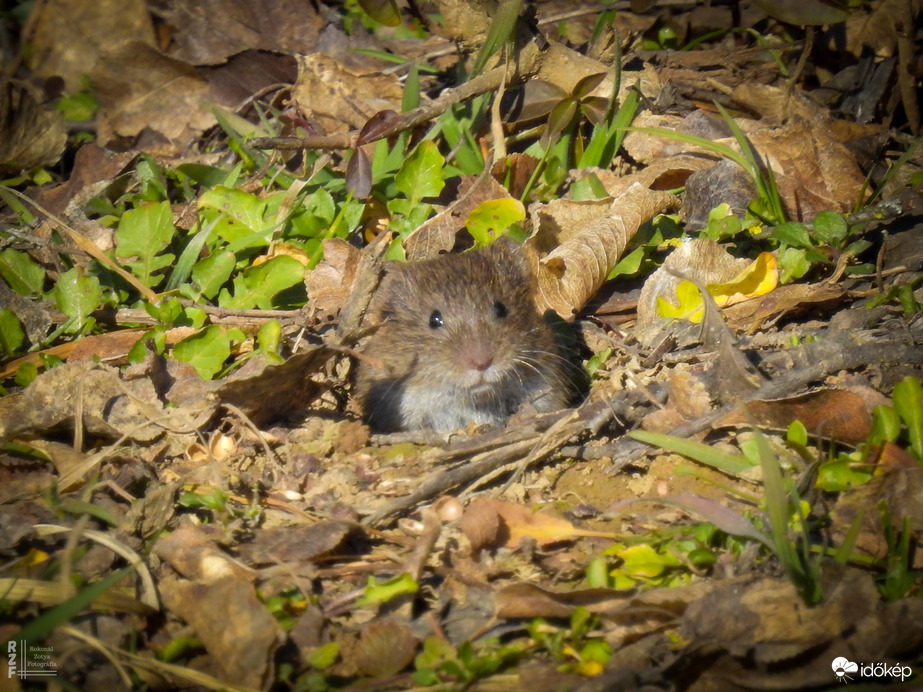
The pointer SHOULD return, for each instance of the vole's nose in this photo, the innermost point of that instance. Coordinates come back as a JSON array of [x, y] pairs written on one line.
[[477, 356]]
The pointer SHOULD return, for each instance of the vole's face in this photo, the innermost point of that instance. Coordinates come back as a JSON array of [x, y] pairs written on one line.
[[470, 321], [461, 341]]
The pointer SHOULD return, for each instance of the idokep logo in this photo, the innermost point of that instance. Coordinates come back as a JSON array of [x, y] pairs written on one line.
[[842, 667]]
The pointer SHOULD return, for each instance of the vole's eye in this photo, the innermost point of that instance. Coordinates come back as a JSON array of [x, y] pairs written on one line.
[[500, 310], [435, 320]]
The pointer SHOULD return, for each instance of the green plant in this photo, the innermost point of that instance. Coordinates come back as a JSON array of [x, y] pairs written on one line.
[[768, 206]]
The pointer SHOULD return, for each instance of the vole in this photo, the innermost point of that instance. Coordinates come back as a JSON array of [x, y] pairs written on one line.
[[461, 341]]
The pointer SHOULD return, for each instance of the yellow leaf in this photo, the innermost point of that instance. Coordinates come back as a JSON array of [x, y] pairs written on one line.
[[760, 277], [690, 305]]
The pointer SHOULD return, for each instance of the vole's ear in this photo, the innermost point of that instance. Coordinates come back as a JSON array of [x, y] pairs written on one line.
[[509, 256], [390, 290]]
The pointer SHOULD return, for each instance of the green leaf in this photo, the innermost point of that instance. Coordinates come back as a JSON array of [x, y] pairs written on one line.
[[187, 259], [490, 219], [242, 217], [210, 274], [705, 454], [561, 116], [643, 561], [78, 107], [316, 215], [76, 295], [841, 474], [11, 334], [886, 425], [830, 227], [607, 139], [382, 11], [689, 304], [722, 223], [206, 351], [587, 84], [74, 506], [797, 434], [270, 335], [383, 592], [207, 176], [792, 233], [25, 374], [21, 272], [257, 285], [908, 400], [793, 264], [421, 174], [324, 655], [142, 234]]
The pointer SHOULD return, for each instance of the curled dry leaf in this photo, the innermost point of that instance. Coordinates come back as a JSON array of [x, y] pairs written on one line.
[[384, 648], [242, 641], [498, 522], [328, 92], [33, 134], [701, 259], [572, 273]]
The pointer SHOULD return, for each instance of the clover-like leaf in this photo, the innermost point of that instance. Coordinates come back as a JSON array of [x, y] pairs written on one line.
[[490, 219], [143, 234], [206, 351], [257, 286]]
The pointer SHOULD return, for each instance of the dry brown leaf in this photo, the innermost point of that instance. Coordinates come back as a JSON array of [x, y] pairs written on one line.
[[264, 391], [242, 640], [109, 411], [764, 637], [329, 283], [901, 489], [528, 601], [648, 149], [340, 99], [833, 413], [293, 544], [207, 32], [572, 273], [70, 35], [384, 648], [92, 164], [813, 171], [193, 552], [666, 173], [33, 133], [497, 522], [141, 90], [749, 316]]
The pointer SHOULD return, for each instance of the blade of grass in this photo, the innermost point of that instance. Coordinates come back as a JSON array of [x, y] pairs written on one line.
[[734, 464], [761, 172], [42, 626], [501, 28]]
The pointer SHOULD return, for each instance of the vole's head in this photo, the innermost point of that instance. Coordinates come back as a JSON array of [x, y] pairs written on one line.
[[471, 319]]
